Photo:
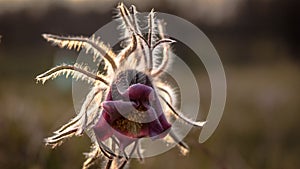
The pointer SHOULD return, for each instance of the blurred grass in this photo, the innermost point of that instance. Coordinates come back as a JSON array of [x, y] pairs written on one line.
[[259, 128]]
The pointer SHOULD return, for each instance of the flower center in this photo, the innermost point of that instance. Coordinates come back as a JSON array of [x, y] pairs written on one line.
[[130, 125], [124, 125]]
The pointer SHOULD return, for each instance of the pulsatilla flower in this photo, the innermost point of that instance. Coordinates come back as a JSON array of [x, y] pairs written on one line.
[[129, 100], [132, 114]]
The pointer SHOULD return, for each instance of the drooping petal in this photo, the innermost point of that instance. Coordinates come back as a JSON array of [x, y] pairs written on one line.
[[140, 92], [117, 109], [102, 129], [162, 119], [159, 127], [133, 114]]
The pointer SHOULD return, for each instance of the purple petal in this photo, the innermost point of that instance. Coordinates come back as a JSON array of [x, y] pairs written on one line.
[[140, 92], [117, 109], [162, 119], [157, 130], [102, 129], [158, 126]]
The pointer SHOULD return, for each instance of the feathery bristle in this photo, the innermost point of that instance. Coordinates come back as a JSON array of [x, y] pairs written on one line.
[[93, 44], [181, 116], [79, 124], [76, 71], [92, 156]]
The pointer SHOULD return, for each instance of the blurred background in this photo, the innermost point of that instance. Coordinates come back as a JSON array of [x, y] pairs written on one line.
[[258, 42]]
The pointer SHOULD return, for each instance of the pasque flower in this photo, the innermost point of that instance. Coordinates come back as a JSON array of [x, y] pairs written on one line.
[[125, 102], [136, 114]]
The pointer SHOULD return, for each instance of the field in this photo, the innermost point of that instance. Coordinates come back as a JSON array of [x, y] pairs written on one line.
[[259, 128]]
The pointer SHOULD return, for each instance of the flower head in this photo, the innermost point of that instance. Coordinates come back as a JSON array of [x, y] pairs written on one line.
[[136, 114]]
